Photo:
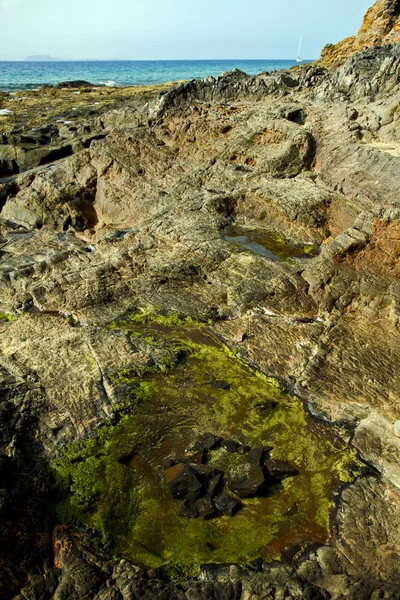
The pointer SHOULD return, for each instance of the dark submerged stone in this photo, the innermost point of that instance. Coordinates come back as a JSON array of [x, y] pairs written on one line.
[[183, 483]]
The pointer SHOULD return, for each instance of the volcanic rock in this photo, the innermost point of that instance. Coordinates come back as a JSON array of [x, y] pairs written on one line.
[[258, 455], [230, 445], [227, 505], [183, 483], [278, 469], [188, 509], [213, 485], [205, 507], [210, 441], [131, 212], [204, 472], [246, 480], [381, 25]]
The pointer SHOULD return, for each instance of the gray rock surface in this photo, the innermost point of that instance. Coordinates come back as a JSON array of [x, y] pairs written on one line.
[[137, 221]]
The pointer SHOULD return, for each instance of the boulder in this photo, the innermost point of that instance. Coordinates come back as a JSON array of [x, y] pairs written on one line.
[[227, 505], [188, 509], [210, 441], [213, 485], [204, 472], [258, 455], [247, 480], [230, 445], [278, 469], [183, 483], [205, 507]]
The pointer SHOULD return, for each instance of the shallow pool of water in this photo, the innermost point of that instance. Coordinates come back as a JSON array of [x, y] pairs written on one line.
[[267, 243], [117, 481]]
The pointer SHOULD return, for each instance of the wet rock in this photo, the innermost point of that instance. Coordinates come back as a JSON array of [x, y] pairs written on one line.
[[183, 483], [213, 485], [188, 509], [210, 441], [258, 455], [167, 463], [246, 480], [76, 84], [205, 507], [197, 456], [204, 472], [227, 505], [230, 445], [278, 469]]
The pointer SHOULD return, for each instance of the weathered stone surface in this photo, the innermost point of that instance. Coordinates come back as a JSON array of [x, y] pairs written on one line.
[[371, 507], [137, 220]]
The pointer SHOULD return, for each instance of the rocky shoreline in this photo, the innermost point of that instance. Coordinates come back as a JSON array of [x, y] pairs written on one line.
[[240, 229]]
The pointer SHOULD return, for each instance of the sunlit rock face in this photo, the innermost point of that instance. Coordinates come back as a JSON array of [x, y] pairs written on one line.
[[381, 25]]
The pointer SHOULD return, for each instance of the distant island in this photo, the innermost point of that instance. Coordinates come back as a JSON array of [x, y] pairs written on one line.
[[41, 57]]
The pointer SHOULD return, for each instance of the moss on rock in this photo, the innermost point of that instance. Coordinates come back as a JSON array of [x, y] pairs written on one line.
[[114, 484]]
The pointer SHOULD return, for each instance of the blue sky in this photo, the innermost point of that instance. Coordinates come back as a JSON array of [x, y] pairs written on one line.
[[174, 29]]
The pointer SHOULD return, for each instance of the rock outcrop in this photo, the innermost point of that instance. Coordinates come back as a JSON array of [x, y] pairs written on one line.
[[381, 25]]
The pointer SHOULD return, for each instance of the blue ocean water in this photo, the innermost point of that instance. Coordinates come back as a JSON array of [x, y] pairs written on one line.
[[29, 75]]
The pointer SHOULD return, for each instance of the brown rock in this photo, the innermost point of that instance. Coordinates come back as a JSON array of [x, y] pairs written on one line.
[[381, 25]]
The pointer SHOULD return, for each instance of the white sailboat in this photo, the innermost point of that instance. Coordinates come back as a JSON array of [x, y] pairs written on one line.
[[299, 59]]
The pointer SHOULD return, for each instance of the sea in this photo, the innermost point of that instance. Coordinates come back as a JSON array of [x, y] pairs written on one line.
[[25, 75]]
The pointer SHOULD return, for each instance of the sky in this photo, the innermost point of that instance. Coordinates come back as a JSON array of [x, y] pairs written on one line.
[[174, 29]]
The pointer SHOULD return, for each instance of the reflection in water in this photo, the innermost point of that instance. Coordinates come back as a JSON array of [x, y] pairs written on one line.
[[267, 243]]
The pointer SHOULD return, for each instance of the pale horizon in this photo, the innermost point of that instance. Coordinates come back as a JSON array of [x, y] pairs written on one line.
[[177, 30]]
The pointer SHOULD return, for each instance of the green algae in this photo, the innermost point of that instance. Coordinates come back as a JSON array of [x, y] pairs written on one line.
[[151, 317], [113, 483], [7, 317], [91, 362], [273, 245]]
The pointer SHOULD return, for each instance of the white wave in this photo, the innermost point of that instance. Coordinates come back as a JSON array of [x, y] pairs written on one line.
[[109, 83]]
